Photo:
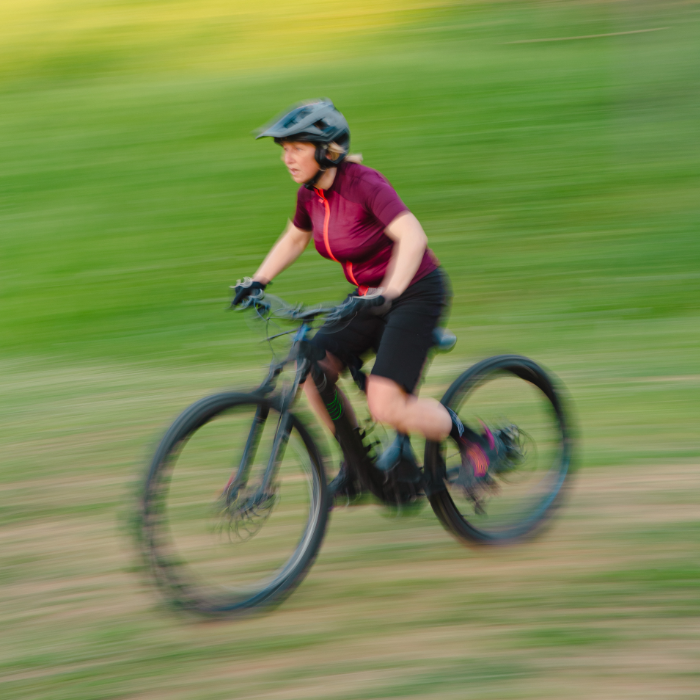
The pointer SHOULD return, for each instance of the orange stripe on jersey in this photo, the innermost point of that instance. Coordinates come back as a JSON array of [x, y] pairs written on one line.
[[348, 268], [326, 220]]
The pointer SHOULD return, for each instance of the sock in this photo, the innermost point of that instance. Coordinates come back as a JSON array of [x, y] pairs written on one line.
[[457, 426], [462, 432]]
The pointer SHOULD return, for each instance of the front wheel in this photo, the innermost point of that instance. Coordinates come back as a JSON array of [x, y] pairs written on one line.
[[235, 505], [513, 395]]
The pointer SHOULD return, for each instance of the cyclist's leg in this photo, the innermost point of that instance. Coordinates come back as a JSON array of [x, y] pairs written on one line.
[[402, 352], [390, 403], [332, 367], [343, 347], [401, 356]]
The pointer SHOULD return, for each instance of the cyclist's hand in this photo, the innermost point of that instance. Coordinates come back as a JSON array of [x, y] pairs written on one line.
[[371, 304], [247, 287]]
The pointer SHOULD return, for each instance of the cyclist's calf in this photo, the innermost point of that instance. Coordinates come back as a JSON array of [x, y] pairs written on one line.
[[389, 403]]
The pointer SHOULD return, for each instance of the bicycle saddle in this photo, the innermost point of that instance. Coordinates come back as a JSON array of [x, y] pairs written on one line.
[[444, 339]]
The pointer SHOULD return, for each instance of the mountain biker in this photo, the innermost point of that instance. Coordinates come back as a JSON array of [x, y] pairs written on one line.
[[356, 219]]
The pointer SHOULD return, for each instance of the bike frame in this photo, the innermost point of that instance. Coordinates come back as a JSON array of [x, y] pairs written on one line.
[[350, 438]]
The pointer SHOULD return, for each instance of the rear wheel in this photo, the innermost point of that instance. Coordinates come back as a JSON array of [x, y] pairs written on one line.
[[235, 505], [514, 395]]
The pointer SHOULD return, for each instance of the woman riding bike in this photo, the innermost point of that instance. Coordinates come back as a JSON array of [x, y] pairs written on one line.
[[357, 220]]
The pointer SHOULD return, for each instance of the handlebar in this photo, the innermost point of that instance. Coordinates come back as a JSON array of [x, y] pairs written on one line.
[[443, 339], [273, 306]]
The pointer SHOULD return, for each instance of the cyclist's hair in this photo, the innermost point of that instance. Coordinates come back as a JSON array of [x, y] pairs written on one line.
[[335, 151]]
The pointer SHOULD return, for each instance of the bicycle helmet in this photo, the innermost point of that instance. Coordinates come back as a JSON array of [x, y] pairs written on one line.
[[317, 122]]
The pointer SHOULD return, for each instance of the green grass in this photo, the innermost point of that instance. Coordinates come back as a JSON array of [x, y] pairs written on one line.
[[557, 182]]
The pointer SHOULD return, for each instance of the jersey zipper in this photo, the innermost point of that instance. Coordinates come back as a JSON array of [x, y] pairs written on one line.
[[326, 220]]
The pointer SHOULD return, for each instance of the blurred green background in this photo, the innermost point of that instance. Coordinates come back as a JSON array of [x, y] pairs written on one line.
[[550, 150]]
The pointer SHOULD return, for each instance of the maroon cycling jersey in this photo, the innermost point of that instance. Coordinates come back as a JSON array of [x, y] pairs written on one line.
[[348, 222]]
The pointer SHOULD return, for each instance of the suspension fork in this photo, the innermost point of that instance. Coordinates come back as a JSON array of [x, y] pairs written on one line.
[[284, 428], [284, 425], [239, 478]]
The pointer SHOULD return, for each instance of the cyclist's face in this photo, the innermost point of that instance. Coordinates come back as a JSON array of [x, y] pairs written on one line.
[[299, 159]]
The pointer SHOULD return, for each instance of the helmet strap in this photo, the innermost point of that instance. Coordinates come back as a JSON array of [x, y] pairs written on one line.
[[310, 184], [322, 160]]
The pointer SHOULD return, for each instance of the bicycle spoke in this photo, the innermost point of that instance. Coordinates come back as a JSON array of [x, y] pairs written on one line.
[[514, 399], [241, 548]]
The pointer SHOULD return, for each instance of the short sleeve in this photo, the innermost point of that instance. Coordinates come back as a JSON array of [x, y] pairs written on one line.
[[383, 201], [302, 220]]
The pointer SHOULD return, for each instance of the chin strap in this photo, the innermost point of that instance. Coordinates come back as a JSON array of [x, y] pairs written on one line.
[[310, 184], [323, 164]]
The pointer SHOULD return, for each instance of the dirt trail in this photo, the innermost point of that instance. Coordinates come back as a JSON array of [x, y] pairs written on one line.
[[602, 605]]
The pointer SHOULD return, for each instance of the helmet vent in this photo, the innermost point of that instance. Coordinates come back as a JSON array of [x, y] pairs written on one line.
[[296, 116], [317, 122]]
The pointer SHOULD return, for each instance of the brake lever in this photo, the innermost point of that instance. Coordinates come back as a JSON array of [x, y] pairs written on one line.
[[344, 312], [254, 300]]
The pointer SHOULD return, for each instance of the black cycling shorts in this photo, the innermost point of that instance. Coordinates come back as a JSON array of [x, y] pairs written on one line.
[[401, 339]]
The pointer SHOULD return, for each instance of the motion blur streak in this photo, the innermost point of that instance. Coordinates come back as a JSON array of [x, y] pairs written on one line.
[[550, 151]]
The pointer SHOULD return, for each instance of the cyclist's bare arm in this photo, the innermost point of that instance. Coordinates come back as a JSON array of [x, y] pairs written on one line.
[[410, 243], [288, 248]]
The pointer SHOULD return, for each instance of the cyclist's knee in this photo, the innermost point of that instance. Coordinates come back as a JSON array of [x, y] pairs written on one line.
[[331, 366], [386, 400]]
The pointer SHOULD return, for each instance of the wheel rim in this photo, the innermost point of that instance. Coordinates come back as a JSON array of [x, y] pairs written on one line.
[[523, 495], [220, 541]]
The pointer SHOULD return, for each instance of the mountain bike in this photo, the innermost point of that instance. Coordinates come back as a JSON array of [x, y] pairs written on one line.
[[236, 500]]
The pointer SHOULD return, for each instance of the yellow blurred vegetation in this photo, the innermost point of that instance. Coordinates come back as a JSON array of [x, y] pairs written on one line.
[[38, 36]]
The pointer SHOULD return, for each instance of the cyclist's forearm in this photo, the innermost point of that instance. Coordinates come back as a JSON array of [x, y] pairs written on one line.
[[410, 243], [288, 248]]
